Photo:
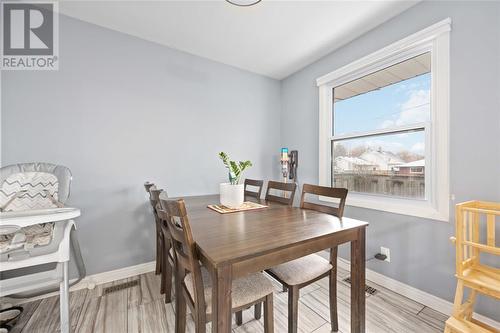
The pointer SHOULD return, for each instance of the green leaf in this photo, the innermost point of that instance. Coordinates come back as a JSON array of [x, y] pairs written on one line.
[[235, 169], [244, 164], [225, 159]]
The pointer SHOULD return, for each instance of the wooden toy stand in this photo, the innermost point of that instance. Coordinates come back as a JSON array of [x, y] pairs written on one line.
[[475, 236]]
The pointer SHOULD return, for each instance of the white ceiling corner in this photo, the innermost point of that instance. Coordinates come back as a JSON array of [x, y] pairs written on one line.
[[272, 38]]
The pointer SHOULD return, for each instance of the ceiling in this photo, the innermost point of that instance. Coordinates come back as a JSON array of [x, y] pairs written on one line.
[[272, 38]]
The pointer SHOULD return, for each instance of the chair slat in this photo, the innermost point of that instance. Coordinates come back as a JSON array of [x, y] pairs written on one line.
[[330, 192], [275, 198], [285, 187], [256, 183], [321, 208]]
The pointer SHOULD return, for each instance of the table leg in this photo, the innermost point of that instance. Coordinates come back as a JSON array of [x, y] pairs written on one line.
[[221, 299], [358, 282]]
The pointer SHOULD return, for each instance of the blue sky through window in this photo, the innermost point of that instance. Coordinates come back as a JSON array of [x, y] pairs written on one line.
[[402, 103]]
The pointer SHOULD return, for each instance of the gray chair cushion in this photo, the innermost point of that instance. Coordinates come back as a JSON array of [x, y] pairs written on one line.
[[301, 270], [244, 290]]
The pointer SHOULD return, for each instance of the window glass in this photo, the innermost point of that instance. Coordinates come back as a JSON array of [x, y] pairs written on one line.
[[388, 164], [395, 96]]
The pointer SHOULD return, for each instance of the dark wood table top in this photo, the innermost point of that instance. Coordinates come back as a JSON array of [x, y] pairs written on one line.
[[233, 237]]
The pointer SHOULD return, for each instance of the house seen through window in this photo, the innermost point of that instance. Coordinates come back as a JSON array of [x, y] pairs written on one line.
[[380, 123]]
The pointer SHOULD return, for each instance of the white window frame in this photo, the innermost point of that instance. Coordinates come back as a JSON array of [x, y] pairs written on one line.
[[436, 40]]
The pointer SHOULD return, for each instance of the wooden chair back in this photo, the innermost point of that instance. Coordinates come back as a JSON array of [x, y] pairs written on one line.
[[330, 192], [162, 217], [154, 198], [475, 234], [147, 186], [186, 257], [256, 183], [289, 188]]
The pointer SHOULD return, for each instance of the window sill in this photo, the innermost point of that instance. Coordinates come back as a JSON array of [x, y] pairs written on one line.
[[418, 208]]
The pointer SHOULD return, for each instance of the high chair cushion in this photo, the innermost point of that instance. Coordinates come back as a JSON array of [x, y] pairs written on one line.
[[301, 270], [244, 290], [35, 235], [28, 190]]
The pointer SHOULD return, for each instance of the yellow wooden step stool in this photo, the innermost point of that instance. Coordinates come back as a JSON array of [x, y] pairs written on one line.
[[470, 218], [454, 325]]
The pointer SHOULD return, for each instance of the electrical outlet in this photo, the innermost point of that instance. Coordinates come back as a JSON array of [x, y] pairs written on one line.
[[387, 252]]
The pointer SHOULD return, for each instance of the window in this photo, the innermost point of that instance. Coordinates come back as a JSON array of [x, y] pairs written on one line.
[[418, 170], [384, 127], [379, 130]]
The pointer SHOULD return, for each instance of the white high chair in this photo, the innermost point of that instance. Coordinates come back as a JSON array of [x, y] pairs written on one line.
[[36, 229]]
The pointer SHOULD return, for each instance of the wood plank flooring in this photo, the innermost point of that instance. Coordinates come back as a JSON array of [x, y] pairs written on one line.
[[142, 309]]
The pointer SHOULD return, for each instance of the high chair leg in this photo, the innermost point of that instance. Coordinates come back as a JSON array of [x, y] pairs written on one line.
[[64, 299]]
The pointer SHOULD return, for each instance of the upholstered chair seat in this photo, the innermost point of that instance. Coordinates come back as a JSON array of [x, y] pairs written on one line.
[[244, 290], [301, 270]]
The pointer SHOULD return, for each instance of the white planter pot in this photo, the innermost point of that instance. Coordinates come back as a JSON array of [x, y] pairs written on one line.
[[232, 196]]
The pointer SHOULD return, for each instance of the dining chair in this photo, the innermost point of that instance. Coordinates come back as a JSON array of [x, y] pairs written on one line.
[[167, 255], [253, 194], [193, 283], [287, 189], [149, 186], [255, 183], [298, 273]]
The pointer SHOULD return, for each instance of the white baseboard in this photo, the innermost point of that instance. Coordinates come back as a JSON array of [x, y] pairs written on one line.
[[117, 274], [91, 281], [412, 293]]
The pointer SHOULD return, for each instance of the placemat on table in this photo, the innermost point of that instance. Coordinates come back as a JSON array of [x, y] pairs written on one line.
[[247, 205]]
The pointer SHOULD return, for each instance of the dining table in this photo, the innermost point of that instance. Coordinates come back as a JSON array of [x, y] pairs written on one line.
[[237, 244]]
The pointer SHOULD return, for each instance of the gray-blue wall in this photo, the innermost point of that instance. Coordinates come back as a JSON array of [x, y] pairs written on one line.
[[121, 111], [421, 254]]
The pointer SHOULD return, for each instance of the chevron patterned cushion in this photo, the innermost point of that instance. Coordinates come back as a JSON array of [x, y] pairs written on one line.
[[27, 191], [31, 190]]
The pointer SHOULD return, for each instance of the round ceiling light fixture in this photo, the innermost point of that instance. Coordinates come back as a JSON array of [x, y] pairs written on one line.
[[243, 3]]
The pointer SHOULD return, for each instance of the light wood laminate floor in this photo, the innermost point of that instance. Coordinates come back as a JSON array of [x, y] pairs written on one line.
[[141, 309]]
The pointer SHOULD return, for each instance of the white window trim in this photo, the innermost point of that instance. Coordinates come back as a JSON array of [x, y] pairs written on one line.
[[436, 39]]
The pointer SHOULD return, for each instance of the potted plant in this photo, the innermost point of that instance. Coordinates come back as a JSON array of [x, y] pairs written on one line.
[[232, 194]]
